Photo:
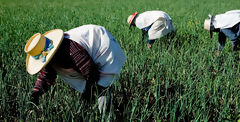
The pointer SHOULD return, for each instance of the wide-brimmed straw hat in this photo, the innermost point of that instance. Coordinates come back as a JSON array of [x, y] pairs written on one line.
[[131, 18], [41, 48], [208, 24]]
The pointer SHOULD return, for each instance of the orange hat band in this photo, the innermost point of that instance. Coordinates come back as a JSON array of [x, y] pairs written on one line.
[[133, 15]]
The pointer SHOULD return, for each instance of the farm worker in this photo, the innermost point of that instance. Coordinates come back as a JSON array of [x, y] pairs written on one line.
[[154, 25], [87, 57], [227, 25]]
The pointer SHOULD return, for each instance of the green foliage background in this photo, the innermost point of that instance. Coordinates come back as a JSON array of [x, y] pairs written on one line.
[[179, 79]]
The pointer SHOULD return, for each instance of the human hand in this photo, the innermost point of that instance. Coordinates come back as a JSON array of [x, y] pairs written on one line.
[[149, 46]]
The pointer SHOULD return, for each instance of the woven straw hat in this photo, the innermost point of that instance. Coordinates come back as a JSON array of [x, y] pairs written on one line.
[[131, 18], [41, 48], [207, 23]]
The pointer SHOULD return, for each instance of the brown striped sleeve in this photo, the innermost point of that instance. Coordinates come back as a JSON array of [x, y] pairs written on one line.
[[46, 78], [84, 63]]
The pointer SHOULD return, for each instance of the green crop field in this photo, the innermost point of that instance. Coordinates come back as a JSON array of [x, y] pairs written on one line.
[[180, 79]]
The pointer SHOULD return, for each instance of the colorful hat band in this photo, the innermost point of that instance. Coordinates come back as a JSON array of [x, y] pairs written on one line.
[[48, 46], [133, 15]]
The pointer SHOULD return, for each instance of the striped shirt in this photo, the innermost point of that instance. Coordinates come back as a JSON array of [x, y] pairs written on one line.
[[69, 55]]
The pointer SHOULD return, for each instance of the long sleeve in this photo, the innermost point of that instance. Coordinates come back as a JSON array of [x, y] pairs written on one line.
[[84, 62], [46, 78], [221, 41], [145, 32]]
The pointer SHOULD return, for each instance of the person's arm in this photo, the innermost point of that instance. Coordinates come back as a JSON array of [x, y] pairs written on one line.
[[46, 78], [145, 31], [143, 34], [150, 43], [221, 41], [84, 64]]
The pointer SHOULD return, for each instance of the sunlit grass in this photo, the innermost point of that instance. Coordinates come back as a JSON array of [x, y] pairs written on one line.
[[179, 79]]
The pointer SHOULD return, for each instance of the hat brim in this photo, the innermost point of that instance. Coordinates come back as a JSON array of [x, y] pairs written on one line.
[[133, 18], [211, 26], [33, 66]]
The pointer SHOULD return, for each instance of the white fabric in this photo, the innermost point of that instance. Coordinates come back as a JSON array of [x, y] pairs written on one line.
[[160, 29], [227, 20], [104, 50], [147, 18], [71, 77]]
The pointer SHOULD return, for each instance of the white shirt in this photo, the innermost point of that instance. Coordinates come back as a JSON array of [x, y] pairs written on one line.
[[227, 20], [103, 49], [145, 19]]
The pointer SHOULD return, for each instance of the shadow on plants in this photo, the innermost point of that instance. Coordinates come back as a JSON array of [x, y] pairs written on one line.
[[165, 97], [2, 68]]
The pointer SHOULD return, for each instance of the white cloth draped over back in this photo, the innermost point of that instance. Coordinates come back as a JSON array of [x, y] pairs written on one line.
[[147, 18], [104, 50], [227, 20], [161, 23]]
